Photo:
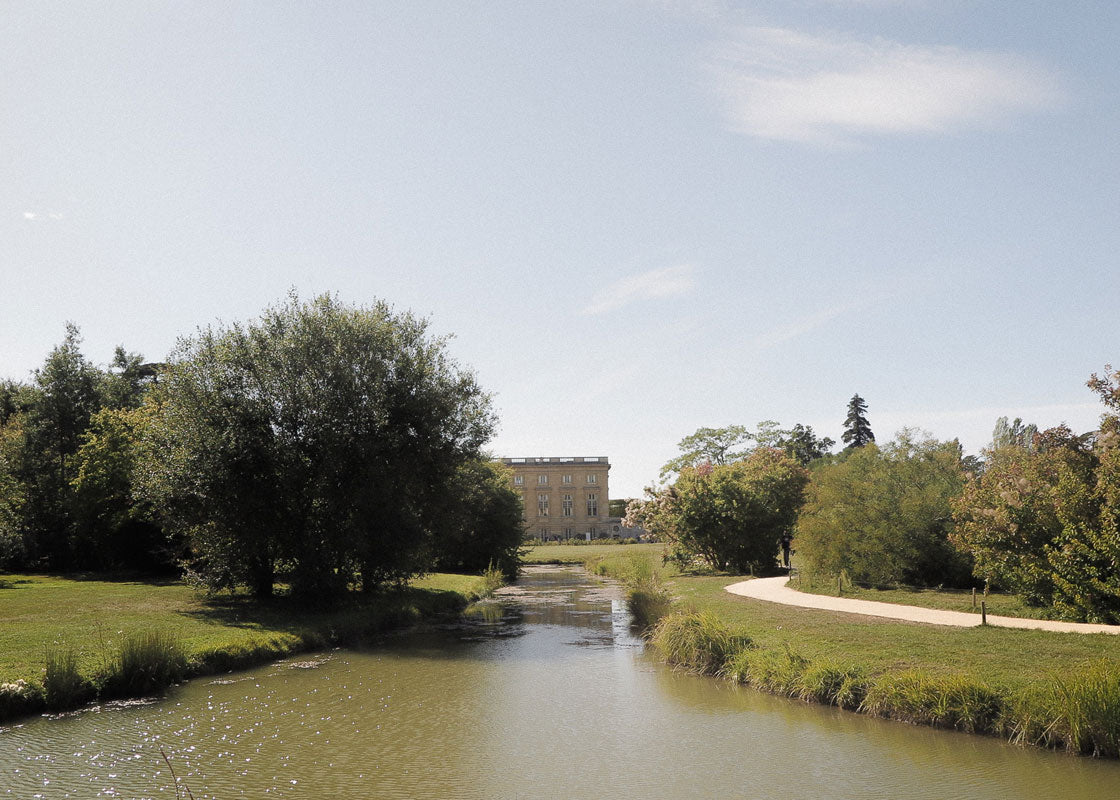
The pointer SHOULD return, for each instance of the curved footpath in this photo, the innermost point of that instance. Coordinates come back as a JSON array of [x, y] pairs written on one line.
[[775, 590]]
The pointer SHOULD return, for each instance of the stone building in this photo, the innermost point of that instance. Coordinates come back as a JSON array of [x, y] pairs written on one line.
[[564, 497]]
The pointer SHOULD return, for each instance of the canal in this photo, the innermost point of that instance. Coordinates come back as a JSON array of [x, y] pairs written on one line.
[[542, 693]]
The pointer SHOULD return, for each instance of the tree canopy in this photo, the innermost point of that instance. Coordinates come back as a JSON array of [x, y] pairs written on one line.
[[315, 442], [857, 430]]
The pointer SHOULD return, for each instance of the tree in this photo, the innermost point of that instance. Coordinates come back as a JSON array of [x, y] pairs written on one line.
[[857, 430], [1013, 434], [112, 528], [67, 393], [803, 445], [317, 441], [733, 516], [884, 515], [713, 445], [483, 524]]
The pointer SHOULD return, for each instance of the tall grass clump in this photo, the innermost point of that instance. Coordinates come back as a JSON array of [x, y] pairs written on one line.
[[774, 671], [493, 579], [64, 686], [697, 641], [148, 661], [1079, 712], [19, 698], [833, 684], [946, 701]]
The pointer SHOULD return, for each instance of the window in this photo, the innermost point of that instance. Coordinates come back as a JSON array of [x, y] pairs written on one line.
[[567, 505], [542, 505], [592, 504], [592, 478], [566, 479], [542, 480], [518, 480], [567, 533]]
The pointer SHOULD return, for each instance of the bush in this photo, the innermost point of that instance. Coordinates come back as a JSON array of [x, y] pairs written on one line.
[[20, 698]]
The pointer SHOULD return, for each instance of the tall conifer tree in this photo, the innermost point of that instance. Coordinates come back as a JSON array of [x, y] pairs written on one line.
[[857, 430]]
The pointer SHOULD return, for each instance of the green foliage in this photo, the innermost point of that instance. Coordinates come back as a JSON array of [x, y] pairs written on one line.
[[731, 515], [883, 516], [64, 685], [697, 641], [857, 430], [1042, 522], [319, 440], [481, 523], [20, 698], [1013, 434], [148, 662], [1079, 711], [946, 701], [710, 445]]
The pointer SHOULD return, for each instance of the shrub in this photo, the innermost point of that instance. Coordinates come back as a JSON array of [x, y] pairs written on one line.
[[20, 698]]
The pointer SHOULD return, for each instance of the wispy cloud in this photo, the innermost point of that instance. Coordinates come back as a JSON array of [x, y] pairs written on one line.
[[778, 83], [35, 215], [666, 282], [791, 330]]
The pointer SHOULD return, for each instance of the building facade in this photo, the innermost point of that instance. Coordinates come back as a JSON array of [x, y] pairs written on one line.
[[564, 497]]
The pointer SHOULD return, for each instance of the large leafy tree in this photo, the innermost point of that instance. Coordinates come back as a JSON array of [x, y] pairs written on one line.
[[857, 430], [883, 515], [482, 521], [315, 441], [733, 515], [66, 393], [710, 445]]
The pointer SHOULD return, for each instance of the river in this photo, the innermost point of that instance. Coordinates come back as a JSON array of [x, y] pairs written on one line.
[[543, 693]]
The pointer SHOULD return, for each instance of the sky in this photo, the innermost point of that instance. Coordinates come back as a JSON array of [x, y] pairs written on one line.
[[635, 217]]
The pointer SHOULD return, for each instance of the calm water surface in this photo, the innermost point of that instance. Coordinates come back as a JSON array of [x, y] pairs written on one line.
[[544, 693]]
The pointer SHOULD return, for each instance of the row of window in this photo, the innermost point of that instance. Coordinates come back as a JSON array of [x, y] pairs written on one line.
[[542, 480], [566, 505]]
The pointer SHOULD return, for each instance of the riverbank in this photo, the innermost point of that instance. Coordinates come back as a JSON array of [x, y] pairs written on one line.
[[1039, 688], [58, 616]]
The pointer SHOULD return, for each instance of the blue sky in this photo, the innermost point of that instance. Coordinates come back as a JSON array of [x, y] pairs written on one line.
[[637, 218]]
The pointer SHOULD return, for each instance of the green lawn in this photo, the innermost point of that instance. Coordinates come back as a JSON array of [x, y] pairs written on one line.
[[1007, 605], [996, 655], [40, 612], [580, 553]]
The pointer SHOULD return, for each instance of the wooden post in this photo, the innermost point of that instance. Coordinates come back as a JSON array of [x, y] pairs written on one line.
[[973, 598], [983, 613], [839, 585]]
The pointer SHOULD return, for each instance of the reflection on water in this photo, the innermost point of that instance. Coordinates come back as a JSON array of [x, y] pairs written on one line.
[[541, 693]]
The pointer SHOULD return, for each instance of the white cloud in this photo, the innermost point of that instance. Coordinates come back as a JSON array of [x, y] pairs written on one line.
[[30, 215], [33, 215], [778, 83], [666, 282]]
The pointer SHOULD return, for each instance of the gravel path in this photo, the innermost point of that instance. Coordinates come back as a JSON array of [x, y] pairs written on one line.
[[776, 591]]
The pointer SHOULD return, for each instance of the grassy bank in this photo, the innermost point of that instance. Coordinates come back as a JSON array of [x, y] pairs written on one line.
[[1033, 687], [583, 553], [1007, 605], [119, 638]]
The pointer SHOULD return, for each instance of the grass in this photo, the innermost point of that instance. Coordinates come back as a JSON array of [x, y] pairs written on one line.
[[579, 554], [1033, 687], [131, 637], [1007, 605]]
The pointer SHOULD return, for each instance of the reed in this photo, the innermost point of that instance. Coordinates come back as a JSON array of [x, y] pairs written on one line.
[[697, 641], [946, 701], [148, 661], [1079, 712], [64, 686], [774, 671]]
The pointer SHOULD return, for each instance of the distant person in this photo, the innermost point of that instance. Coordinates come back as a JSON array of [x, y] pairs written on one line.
[[786, 542]]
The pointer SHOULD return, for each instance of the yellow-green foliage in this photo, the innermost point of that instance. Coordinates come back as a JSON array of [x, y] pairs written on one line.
[[697, 641], [1079, 711], [948, 701]]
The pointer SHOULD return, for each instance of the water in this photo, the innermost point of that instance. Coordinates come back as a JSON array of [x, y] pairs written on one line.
[[545, 695]]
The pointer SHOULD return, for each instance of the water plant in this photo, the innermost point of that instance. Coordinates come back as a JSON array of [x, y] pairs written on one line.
[[697, 641], [148, 661], [64, 686]]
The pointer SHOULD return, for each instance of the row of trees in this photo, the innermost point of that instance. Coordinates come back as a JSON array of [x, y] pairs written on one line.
[[1037, 514], [322, 445]]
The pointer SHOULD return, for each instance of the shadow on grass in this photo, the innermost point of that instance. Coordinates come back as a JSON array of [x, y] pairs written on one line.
[[6, 583]]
